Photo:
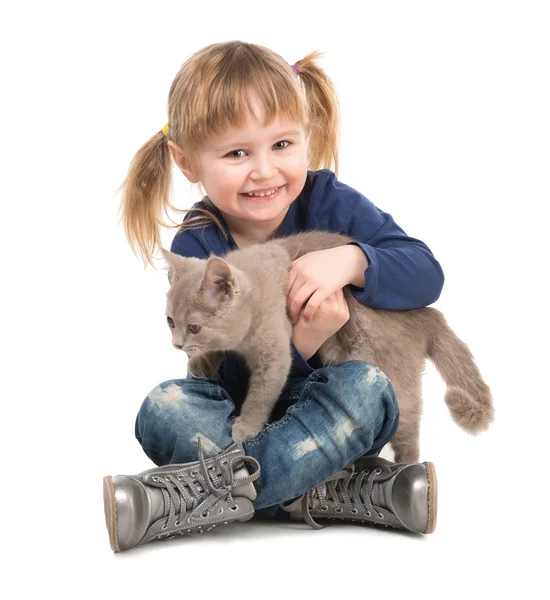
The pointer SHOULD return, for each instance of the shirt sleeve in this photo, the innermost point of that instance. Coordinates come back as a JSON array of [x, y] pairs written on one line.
[[186, 244], [301, 367], [402, 272]]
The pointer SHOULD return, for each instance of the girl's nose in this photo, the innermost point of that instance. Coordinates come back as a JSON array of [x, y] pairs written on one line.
[[263, 168]]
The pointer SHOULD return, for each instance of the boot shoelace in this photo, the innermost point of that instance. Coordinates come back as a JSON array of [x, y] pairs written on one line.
[[202, 491], [344, 487]]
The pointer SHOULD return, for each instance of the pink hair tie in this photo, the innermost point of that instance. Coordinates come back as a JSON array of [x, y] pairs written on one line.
[[296, 70]]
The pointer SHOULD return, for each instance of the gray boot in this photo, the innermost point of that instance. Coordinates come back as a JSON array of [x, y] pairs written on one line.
[[165, 502], [373, 490]]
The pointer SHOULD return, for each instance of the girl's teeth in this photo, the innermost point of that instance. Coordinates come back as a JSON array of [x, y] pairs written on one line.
[[263, 193]]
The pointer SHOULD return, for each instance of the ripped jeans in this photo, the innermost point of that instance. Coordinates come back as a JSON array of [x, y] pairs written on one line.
[[319, 425]]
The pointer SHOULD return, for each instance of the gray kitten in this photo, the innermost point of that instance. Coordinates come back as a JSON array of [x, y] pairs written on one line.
[[238, 303]]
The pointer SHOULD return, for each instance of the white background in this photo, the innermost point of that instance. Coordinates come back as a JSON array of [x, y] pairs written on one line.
[[445, 126]]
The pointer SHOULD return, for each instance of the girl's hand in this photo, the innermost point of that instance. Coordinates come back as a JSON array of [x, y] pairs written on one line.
[[317, 275], [332, 315]]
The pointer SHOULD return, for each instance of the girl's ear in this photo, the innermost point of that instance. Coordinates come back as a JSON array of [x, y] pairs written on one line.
[[183, 162]]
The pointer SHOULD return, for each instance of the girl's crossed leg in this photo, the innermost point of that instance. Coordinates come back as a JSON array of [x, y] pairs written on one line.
[[319, 426]]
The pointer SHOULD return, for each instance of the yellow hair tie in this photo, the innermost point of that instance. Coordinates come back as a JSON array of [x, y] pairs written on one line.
[[165, 129]]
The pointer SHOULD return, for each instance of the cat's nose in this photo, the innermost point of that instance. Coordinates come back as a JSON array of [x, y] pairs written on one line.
[[178, 346]]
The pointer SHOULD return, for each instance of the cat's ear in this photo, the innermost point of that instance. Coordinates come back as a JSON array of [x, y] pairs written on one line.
[[175, 264], [218, 283]]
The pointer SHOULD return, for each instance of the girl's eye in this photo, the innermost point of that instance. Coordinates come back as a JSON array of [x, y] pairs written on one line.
[[192, 328], [171, 322], [232, 153]]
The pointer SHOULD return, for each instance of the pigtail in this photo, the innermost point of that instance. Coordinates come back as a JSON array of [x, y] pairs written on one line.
[[145, 196], [324, 113], [145, 200]]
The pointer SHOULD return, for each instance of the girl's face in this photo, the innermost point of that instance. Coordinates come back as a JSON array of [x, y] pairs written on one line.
[[255, 158]]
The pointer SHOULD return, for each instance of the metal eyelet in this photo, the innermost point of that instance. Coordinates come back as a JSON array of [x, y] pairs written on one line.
[[221, 510], [378, 471], [177, 523], [338, 510], [323, 508], [380, 515], [155, 478], [193, 473], [163, 527], [204, 514], [224, 462], [236, 507], [368, 513], [354, 511], [180, 477]]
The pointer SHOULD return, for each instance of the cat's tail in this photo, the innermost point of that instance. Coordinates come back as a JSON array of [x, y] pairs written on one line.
[[468, 396]]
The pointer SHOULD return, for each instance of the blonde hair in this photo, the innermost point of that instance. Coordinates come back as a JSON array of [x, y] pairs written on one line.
[[211, 93]]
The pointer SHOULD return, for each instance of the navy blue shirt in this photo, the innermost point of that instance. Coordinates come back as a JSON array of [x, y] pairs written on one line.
[[402, 272]]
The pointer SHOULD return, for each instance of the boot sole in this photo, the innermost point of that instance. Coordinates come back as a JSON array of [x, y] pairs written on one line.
[[109, 506], [432, 498]]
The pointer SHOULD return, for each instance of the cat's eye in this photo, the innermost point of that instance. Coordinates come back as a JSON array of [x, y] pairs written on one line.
[[192, 328], [171, 322]]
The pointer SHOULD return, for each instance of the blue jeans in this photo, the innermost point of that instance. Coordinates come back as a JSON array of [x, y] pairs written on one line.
[[319, 425]]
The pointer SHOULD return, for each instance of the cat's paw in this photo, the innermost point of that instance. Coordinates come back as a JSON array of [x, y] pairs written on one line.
[[242, 430]]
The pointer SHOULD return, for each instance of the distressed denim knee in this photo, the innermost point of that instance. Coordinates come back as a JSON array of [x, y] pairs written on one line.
[[176, 412], [343, 412], [366, 394]]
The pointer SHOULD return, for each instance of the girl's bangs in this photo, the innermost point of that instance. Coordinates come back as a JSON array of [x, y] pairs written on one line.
[[225, 102]]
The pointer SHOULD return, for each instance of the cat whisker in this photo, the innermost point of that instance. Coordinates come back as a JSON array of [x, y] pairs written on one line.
[[211, 365]]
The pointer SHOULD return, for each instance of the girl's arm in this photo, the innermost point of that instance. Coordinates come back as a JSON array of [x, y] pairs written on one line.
[[402, 273]]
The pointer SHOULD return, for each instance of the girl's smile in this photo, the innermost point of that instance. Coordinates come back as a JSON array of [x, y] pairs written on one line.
[[263, 197]]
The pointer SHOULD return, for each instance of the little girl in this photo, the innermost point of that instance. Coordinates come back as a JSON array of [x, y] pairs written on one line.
[[260, 137]]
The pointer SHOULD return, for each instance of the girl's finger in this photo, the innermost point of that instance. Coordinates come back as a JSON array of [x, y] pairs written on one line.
[[297, 301], [339, 296], [330, 300], [292, 275], [297, 283], [313, 304]]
